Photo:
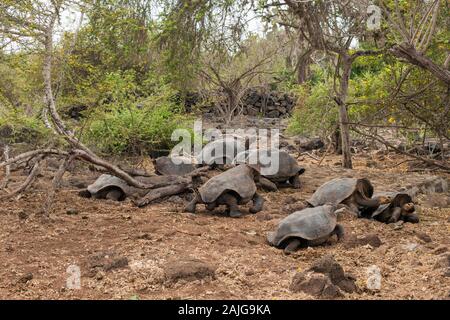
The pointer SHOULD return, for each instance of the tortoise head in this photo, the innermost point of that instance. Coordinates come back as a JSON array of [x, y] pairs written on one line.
[[385, 199], [256, 170], [365, 187], [408, 207]]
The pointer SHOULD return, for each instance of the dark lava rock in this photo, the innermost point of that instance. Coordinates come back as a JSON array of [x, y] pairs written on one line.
[[423, 236], [105, 261], [189, 269], [371, 239], [443, 261], [315, 284], [22, 215], [72, 211], [25, 278], [325, 278]]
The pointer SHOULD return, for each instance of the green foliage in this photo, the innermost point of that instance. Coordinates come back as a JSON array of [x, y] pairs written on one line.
[[16, 127], [316, 112], [126, 123]]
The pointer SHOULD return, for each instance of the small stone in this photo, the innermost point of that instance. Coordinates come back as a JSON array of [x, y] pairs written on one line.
[[126, 217], [423, 236], [22, 215], [374, 278], [398, 225], [290, 200], [264, 216], [72, 211], [447, 272], [25, 278], [370, 239], [443, 261], [143, 236], [411, 246]]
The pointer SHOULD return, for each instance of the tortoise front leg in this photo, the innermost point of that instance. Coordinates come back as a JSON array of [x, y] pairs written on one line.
[[339, 231], [267, 184], [411, 217], [295, 181], [396, 213], [293, 245], [211, 206], [193, 204], [232, 203], [371, 203], [85, 194], [258, 203], [114, 195]]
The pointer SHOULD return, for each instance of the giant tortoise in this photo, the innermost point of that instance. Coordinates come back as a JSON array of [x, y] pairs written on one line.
[[400, 208], [233, 187], [308, 227], [174, 165], [355, 193], [222, 151], [277, 166], [113, 188]]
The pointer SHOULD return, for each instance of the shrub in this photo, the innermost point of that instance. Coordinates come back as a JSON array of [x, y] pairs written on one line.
[[127, 123], [15, 127]]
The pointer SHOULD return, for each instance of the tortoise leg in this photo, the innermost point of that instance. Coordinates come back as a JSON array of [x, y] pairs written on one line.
[[192, 205], [258, 203], [293, 245], [368, 203], [232, 203], [114, 195], [85, 194], [211, 206], [339, 232], [268, 185], [410, 217], [295, 181], [396, 214]]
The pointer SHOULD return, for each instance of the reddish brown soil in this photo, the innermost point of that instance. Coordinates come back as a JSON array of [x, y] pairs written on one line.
[[246, 267]]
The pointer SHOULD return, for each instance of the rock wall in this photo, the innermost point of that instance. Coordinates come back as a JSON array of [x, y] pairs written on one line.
[[268, 104]]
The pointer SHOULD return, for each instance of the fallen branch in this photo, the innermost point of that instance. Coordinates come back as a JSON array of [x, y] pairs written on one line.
[[5, 182], [24, 186], [27, 156], [155, 194]]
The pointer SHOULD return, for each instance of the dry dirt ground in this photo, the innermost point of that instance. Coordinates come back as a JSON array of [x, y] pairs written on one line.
[[129, 253]]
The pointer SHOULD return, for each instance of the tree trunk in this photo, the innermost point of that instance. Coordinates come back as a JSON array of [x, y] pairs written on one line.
[[303, 64], [343, 112]]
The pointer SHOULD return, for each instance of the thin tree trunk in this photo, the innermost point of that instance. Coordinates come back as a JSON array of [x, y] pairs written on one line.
[[343, 112]]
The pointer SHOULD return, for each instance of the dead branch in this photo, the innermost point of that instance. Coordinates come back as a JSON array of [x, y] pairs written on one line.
[[5, 182], [155, 194], [24, 186], [27, 156]]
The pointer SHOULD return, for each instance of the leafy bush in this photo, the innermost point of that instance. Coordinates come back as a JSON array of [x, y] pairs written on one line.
[[316, 112], [127, 123], [15, 127]]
